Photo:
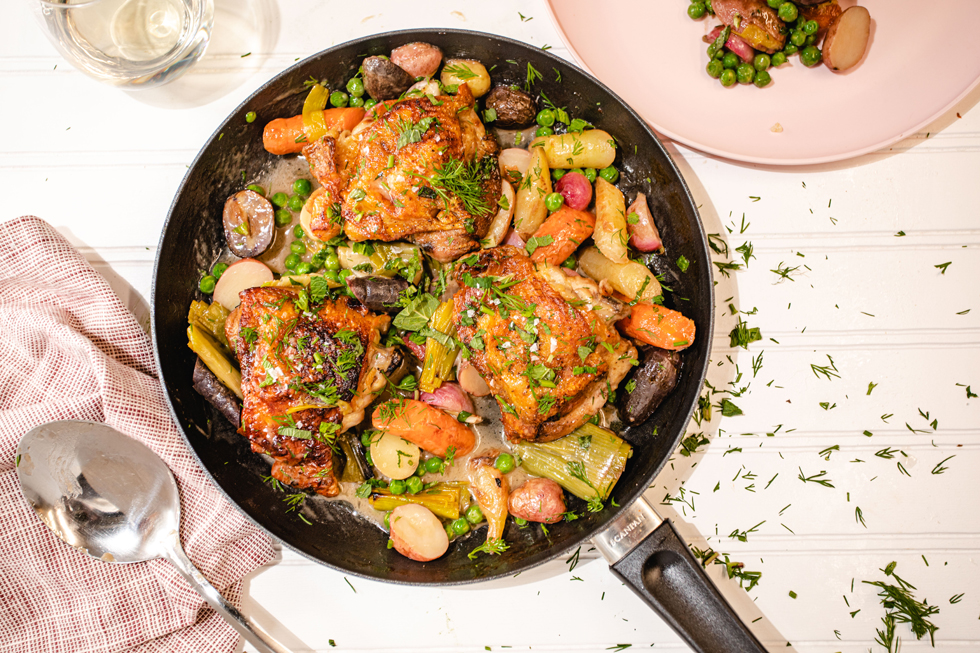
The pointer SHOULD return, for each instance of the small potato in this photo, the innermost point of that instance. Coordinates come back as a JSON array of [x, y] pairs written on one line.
[[630, 279], [417, 59], [539, 500], [592, 148], [466, 71], [501, 222], [531, 211], [847, 39], [514, 162], [417, 534], [610, 234], [394, 457]]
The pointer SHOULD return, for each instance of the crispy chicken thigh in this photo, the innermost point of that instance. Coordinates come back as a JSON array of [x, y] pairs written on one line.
[[308, 374], [426, 172], [544, 341]]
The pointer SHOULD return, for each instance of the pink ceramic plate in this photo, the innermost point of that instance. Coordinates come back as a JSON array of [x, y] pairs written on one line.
[[920, 62]]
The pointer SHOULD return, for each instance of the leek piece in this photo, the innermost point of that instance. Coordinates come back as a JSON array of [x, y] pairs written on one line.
[[211, 318], [352, 471], [210, 353], [439, 358], [314, 125], [442, 499], [587, 462]]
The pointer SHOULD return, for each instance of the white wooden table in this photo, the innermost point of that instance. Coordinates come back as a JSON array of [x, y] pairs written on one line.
[[103, 165]]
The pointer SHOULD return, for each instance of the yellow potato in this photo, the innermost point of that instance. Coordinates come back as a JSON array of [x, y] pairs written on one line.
[[610, 234], [394, 457], [466, 71], [847, 39], [630, 278], [531, 211], [593, 148]]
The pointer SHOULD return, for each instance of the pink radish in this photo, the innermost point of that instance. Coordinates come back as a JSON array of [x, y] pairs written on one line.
[[449, 397], [639, 221], [246, 273], [576, 190], [735, 43]]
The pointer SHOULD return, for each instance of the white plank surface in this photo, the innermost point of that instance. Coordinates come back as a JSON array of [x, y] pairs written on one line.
[[103, 165]]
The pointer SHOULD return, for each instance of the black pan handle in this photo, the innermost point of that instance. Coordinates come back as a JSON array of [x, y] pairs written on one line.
[[661, 570]]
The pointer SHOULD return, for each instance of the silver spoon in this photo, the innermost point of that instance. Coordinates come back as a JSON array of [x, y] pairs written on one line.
[[111, 497]]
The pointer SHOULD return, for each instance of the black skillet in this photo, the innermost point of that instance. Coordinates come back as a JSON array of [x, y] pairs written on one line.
[[647, 554]]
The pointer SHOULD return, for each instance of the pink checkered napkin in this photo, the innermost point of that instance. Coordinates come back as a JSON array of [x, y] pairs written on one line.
[[69, 349]]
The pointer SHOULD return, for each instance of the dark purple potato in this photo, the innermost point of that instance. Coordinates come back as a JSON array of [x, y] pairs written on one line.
[[515, 108], [250, 223], [383, 79], [217, 394], [653, 380], [378, 294]]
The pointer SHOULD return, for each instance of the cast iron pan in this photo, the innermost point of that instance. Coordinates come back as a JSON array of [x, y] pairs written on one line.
[[192, 238]]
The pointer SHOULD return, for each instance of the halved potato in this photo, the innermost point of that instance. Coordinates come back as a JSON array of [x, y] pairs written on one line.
[[847, 39]]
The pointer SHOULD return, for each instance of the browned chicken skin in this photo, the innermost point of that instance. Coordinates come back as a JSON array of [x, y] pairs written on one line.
[[548, 351], [314, 371], [395, 193]]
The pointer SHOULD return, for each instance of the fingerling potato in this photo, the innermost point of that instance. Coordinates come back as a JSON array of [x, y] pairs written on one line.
[[592, 148], [531, 211], [610, 234], [630, 279]]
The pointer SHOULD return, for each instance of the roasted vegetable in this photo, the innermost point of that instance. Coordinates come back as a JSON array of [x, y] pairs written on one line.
[[610, 234], [440, 349], [384, 79], [246, 273], [823, 13], [530, 210], [489, 488], [587, 462], [847, 39], [443, 499], [211, 353], [514, 109], [659, 326], [217, 393], [430, 428], [501, 222], [753, 20], [538, 500], [466, 71], [593, 148], [212, 318], [634, 281], [286, 135], [561, 234], [379, 294], [417, 59], [418, 534], [654, 379], [249, 222], [394, 456], [644, 235]]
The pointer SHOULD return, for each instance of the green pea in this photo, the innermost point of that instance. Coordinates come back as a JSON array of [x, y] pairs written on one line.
[[696, 10], [553, 201], [302, 187], [397, 487], [578, 170], [250, 116], [343, 274], [366, 438], [207, 284], [788, 12], [420, 470], [590, 174], [413, 484], [291, 261], [543, 131], [331, 262], [298, 231], [778, 59], [297, 247], [357, 102], [280, 199], [745, 73], [369, 103], [255, 188], [811, 27], [558, 173], [797, 38], [505, 463], [545, 118], [449, 530], [789, 49], [728, 78], [283, 217], [330, 274], [715, 68], [460, 526], [811, 40], [762, 61], [434, 465], [810, 56], [303, 268], [388, 520], [762, 78], [610, 174], [730, 61], [473, 514], [775, 3], [712, 51], [218, 270], [520, 521], [355, 86], [296, 203], [339, 99]]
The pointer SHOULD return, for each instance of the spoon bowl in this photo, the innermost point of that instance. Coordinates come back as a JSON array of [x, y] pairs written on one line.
[[112, 498]]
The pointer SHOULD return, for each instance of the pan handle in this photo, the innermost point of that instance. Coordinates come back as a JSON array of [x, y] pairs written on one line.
[[647, 554]]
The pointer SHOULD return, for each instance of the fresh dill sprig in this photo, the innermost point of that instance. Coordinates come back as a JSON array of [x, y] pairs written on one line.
[[827, 370], [901, 607], [815, 478]]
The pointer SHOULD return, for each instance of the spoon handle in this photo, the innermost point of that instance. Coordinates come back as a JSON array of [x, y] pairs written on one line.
[[261, 640]]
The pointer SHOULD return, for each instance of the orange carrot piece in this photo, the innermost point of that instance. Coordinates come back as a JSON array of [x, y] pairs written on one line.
[[430, 428], [658, 326], [568, 228], [280, 135]]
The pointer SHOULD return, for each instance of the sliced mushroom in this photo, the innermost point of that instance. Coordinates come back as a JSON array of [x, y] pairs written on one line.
[[250, 223], [385, 80]]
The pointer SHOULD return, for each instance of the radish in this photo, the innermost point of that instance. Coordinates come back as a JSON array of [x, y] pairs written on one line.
[[639, 221], [416, 533], [735, 43], [246, 273], [576, 190], [449, 397]]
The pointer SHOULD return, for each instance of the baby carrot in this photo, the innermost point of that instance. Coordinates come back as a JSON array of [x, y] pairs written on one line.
[[658, 326]]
